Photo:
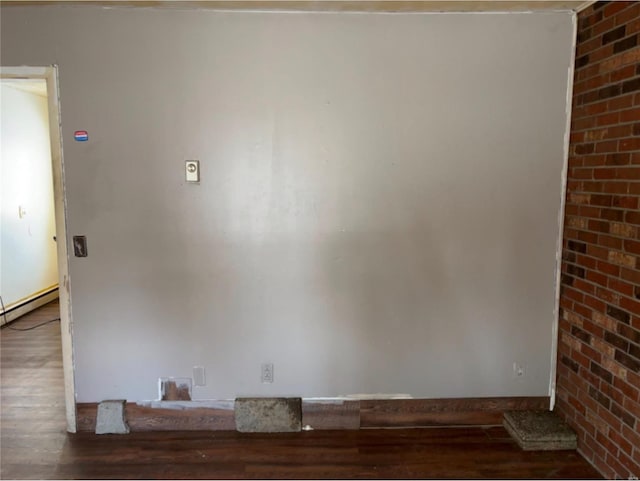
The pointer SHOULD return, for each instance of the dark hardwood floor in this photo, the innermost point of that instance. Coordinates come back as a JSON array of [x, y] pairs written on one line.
[[35, 444]]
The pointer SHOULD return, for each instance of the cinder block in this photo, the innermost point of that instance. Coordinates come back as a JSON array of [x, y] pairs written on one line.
[[539, 430], [111, 418], [268, 415]]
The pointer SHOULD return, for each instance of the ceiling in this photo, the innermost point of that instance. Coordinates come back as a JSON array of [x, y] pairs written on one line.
[[334, 5]]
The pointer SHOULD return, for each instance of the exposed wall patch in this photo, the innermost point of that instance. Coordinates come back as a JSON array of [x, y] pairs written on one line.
[[175, 389], [268, 415]]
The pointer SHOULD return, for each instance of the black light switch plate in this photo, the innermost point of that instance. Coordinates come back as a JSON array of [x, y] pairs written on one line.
[[80, 246]]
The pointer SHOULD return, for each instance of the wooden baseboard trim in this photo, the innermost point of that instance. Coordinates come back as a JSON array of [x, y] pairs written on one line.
[[28, 304], [386, 413], [325, 415]]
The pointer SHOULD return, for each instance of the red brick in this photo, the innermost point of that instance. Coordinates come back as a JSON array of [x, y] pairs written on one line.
[[632, 247], [629, 57], [583, 124], [624, 73], [611, 242], [594, 303], [606, 443], [595, 109], [617, 132], [630, 275], [625, 202], [628, 173], [631, 435], [620, 286], [614, 187], [588, 237], [576, 137], [625, 145], [632, 407], [584, 286], [630, 305], [603, 26], [593, 160], [620, 103], [614, 117], [589, 211], [622, 230], [624, 116], [608, 268], [586, 262], [608, 296], [622, 443], [583, 310], [628, 463], [617, 466], [614, 215], [609, 418], [628, 14], [615, 7]]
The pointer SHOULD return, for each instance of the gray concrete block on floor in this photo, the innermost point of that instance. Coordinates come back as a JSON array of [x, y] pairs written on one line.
[[111, 418], [268, 415], [539, 430]]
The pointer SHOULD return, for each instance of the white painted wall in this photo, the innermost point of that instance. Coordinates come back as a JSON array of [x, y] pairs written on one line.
[[28, 262], [378, 206]]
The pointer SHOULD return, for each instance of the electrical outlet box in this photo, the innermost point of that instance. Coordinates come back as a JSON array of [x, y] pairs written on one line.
[[192, 171], [518, 370], [80, 246], [267, 372], [199, 376]]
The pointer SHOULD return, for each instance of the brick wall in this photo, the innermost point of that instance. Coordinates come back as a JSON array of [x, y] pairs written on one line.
[[598, 388]]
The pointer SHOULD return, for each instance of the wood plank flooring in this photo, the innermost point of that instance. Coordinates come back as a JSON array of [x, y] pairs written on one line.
[[35, 444]]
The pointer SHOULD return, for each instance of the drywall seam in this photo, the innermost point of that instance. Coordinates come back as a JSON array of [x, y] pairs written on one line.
[[561, 216]]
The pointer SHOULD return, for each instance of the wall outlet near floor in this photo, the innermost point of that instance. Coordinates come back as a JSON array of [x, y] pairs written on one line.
[[199, 376], [518, 370], [267, 372]]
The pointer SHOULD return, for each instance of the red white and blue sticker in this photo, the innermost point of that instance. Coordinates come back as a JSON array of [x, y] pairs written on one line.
[[81, 135]]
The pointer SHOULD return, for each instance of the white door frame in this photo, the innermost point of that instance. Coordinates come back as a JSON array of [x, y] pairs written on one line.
[[50, 74]]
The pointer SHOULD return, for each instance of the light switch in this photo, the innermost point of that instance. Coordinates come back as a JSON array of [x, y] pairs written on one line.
[[192, 170]]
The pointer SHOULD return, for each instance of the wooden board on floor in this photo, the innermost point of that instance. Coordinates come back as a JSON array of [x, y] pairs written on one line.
[[443, 412]]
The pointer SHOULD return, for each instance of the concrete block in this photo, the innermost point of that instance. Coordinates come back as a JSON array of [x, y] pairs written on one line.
[[539, 430], [111, 418], [268, 415]]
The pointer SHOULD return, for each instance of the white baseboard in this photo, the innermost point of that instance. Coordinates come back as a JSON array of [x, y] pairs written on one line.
[[28, 306]]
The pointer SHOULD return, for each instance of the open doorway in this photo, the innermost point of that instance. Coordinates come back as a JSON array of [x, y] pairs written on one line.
[[33, 248], [28, 256]]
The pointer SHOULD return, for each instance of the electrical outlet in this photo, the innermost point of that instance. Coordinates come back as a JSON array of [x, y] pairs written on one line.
[[198, 376], [192, 171], [518, 370], [267, 372]]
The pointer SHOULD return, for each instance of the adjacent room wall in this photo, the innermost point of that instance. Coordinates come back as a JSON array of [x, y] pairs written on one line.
[[378, 209], [28, 262], [599, 348]]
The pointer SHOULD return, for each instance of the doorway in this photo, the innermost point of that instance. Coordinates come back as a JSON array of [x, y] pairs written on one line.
[[25, 83]]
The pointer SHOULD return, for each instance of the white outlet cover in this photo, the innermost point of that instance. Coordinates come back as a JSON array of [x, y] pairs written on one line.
[[192, 170], [199, 378]]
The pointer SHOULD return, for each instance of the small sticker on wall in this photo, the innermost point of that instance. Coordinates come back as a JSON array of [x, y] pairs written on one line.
[[81, 135]]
